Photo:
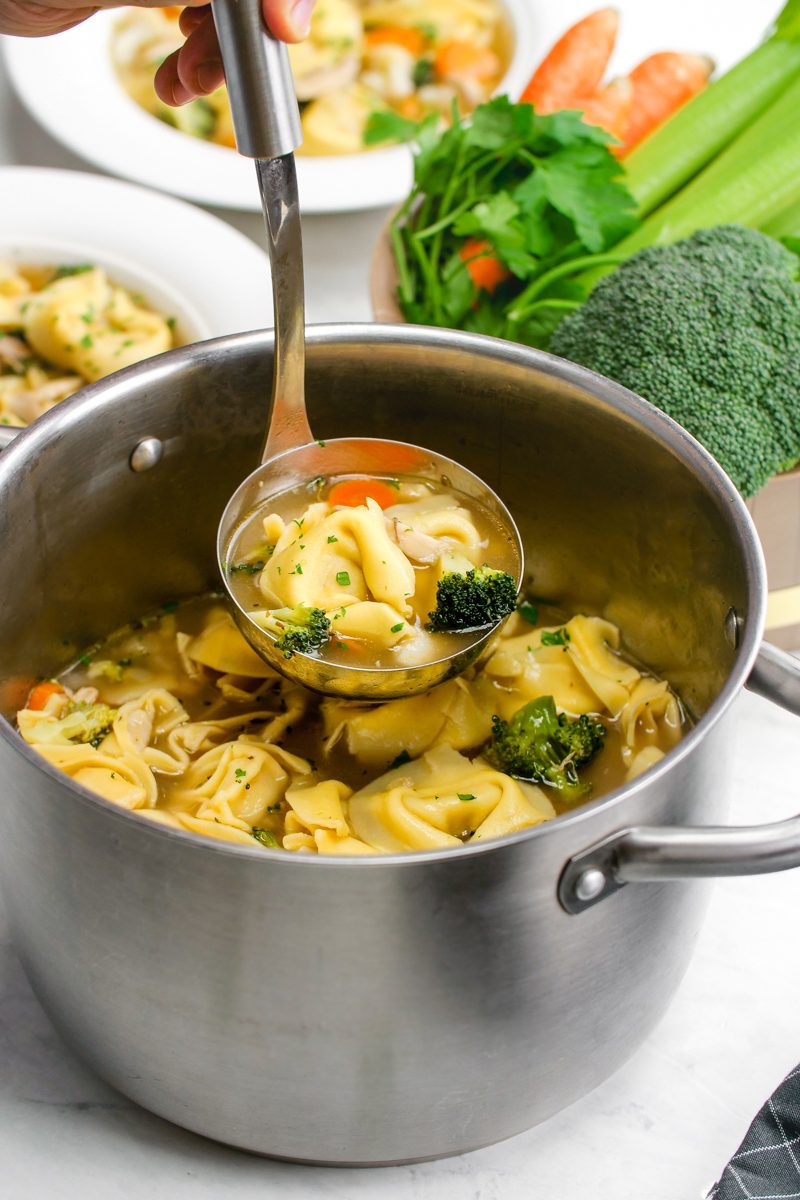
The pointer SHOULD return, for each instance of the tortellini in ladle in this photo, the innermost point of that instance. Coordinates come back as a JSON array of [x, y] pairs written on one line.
[[386, 570]]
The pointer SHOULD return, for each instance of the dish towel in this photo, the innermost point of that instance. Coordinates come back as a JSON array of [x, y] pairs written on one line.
[[767, 1164]]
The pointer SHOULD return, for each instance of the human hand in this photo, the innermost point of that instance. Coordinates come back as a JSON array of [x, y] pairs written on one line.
[[195, 69]]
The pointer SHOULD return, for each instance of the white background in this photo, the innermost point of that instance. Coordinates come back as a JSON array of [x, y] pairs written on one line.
[[664, 1126]]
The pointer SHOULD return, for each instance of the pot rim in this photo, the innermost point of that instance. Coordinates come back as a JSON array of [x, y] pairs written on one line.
[[49, 428]]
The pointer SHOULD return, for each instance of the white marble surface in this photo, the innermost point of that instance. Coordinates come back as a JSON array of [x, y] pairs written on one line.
[[663, 1127]]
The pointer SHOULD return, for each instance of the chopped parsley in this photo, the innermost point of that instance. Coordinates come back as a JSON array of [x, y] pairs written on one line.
[[401, 760], [397, 628], [315, 485], [465, 796], [86, 341], [343, 578], [84, 660], [64, 272], [332, 539], [249, 568], [529, 611], [559, 638], [173, 604], [239, 773]]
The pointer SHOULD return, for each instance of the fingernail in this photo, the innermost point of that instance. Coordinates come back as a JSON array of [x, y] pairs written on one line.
[[208, 74], [301, 17]]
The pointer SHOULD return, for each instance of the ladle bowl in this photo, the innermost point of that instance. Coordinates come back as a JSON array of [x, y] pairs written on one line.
[[356, 456]]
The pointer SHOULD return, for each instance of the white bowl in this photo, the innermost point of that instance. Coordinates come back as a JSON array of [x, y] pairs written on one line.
[[69, 85], [186, 263]]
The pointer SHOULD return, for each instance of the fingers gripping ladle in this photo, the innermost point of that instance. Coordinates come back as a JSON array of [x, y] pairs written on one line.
[[266, 122]]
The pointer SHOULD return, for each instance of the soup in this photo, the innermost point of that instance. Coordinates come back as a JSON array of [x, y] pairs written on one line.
[[62, 327], [177, 719], [374, 572], [365, 70]]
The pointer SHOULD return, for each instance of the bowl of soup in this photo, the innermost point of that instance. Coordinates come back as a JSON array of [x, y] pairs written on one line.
[[366, 69], [341, 932]]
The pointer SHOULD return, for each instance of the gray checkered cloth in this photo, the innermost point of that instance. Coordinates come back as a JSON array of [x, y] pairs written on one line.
[[767, 1164]]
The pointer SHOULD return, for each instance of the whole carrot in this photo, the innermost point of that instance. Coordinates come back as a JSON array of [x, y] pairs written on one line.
[[662, 84], [610, 108], [575, 66]]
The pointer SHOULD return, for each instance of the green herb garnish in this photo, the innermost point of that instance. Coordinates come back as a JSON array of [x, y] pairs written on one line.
[[343, 578], [559, 638], [529, 611]]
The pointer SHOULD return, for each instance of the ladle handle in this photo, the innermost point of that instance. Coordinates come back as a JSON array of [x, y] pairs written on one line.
[[266, 119], [652, 853], [288, 424]]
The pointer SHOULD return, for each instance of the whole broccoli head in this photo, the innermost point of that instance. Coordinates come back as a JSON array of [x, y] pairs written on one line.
[[708, 330], [479, 597], [543, 747], [298, 630]]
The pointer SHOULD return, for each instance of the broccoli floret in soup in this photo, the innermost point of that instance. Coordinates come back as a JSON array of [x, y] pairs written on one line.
[[471, 600]]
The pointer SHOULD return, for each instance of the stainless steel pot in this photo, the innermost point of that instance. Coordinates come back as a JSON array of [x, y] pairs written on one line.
[[360, 1011]]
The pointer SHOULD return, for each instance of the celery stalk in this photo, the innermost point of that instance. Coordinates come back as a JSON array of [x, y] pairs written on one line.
[[751, 182], [785, 224], [674, 154]]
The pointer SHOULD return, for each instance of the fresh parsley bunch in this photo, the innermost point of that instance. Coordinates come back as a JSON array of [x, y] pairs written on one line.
[[541, 194]]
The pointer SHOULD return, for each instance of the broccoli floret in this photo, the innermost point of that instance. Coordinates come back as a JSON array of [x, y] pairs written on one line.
[[708, 330], [480, 597], [543, 747], [298, 630], [85, 723]]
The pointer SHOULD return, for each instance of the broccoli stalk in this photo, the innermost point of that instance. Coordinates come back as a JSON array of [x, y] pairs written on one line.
[[543, 747], [297, 630], [472, 600]]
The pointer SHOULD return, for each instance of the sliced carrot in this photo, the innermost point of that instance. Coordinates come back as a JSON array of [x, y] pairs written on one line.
[[352, 492], [485, 269], [662, 84], [340, 642], [466, 60], [42, 693], [410, 108], [610, 108], [576, 64], [172, 11], [395, 35]]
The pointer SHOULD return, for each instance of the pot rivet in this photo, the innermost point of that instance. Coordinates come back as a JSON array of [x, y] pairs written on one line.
[[733, 628], [147, 454], [589, 884]]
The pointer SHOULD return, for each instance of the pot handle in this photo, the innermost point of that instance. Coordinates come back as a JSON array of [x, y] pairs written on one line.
[[650, 853]]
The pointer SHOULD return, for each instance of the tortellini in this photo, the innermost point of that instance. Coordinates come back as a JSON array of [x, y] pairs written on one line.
[[71, 331], [370, 559], [177, 720], [406, 56], [440, 801], [85, 324]]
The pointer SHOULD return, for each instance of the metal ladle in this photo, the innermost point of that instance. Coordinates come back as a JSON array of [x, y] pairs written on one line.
[[266, 122]]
